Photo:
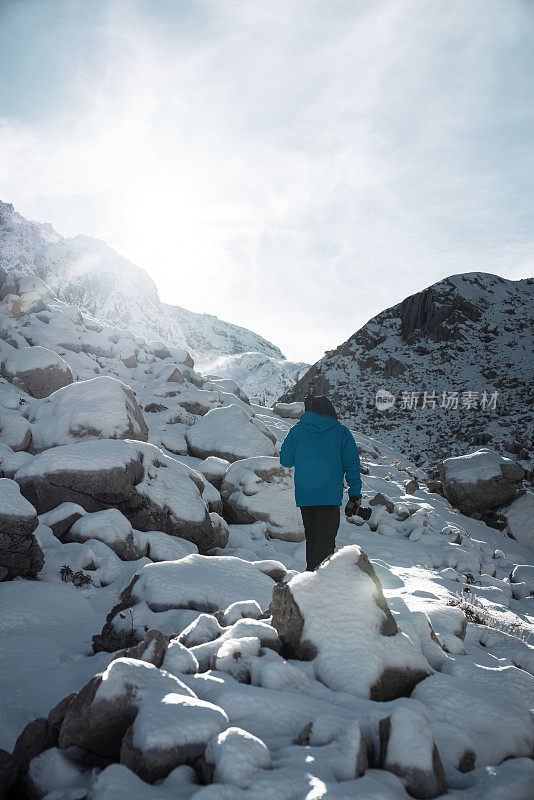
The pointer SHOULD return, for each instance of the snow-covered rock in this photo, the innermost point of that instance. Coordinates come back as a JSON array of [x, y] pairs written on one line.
[[289, 410], [146, 718], [261, 489], [338, 617], [231, 433], [20, 554], [407, 749], [99, 408], [110, 527], [234, 756], [519, 515], [15, 430], [154, 491], [204, 583], [36, 370], [480, 481], [213, 469]]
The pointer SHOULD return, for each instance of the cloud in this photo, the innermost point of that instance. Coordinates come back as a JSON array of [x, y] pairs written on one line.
[[293, 166]]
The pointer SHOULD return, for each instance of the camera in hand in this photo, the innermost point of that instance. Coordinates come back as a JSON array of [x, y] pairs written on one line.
[[364, 513]]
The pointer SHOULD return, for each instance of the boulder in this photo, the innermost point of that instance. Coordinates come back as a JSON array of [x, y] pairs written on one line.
[[20, 554], [408, 750], [110, 527], [145, 717], [381, 500], [36, 370], [178, 734], [289, 410], [203, 583], [155, 492], [213, 469], [15, 430], [260, 488], [338, 618], [230, 432], [99, 408], [233, 757], [100, 714], [61, 519], [481, 481]]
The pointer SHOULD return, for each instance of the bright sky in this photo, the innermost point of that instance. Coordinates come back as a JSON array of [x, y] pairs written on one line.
[[293, 166]]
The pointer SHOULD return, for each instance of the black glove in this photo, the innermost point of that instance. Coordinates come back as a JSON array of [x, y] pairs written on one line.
[[353, 505]]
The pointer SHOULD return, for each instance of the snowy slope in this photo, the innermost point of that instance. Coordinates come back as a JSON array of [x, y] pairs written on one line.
[[88, 273], [469, 333], [215, 699]]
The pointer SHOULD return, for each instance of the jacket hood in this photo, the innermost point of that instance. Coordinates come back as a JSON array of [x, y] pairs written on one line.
[[317, 423]]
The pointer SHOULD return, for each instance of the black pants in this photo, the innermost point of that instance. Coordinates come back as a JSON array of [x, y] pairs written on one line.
[[320, 526]]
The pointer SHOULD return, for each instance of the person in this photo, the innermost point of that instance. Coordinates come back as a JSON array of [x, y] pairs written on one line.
[[322, 450]]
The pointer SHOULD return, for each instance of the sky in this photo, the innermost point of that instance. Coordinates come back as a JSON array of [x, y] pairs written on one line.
[[292, 166]]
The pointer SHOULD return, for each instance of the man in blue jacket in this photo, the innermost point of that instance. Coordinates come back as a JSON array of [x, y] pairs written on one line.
[[322, 450]]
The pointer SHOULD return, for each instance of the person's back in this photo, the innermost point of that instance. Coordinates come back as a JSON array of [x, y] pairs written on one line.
[[322, 451]]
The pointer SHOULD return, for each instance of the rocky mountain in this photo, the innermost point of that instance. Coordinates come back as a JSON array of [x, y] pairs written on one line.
[[86, 272], [453, 366]]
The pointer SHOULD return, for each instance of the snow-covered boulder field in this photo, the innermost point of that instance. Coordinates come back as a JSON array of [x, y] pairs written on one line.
[[160, 637]]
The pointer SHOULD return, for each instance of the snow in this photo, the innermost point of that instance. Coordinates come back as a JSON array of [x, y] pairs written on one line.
[[138, 681], [230, 432], [211, 582], [342, 619], [102, 407], [410, 742], [487, 701], [236, 755], [481, 465], [179, 658], [480, 693], [30, 358], [162, 547], [12, 503], [177, 721], [519, 516], [109, 526]]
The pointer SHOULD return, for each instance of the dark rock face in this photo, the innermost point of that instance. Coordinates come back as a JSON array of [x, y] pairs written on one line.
[[111, 640], [20, 554], [421, 784], [426, 311], [97, 727], [289, 622]]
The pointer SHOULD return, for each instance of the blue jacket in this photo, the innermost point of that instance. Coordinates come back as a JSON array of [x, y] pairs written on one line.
[[322, 450]]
